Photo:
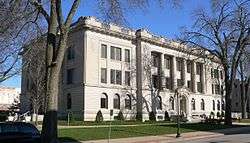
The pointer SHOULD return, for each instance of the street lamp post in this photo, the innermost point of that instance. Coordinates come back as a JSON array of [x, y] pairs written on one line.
[[178, 116]]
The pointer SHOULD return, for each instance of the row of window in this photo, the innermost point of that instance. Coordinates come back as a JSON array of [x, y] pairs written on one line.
[[115, 53], [168, 83], [215, 73], [116, 101], [128, 102], [115, 76], [168, 60], [217, 89]]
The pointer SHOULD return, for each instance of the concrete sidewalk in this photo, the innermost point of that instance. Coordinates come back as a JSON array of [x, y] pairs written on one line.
[[168, 138]]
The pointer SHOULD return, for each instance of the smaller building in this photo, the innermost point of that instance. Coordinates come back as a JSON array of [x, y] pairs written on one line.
[[9, 96], [236, 100]]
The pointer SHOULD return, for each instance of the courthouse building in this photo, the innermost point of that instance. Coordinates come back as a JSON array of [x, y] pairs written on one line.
[[107, 67]]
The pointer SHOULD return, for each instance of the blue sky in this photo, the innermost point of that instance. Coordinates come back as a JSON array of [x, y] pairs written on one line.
[[165, 21]]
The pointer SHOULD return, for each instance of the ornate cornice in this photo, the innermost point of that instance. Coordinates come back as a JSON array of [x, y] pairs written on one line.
[[93, 24]]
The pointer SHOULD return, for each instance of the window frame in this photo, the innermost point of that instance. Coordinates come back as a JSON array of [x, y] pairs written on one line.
[[104, 79], [116, 101], [127, 55], [128, 102], [104, 101], [104, 48], [70, 76]]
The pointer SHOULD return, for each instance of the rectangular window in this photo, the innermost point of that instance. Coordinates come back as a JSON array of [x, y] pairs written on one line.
[[189, 65], [112, 76], [168, 83], [178, 64], [221, 74], [103, 51], [216, 73], [103, 75], [198, 68], [112, 53], [70, 74], [127, 78], [179, 82], [118, 77], [118, 54], [127, 55], [70, 53], [155, 81], [155, 59], [167, 62], [217, 89], [189, 84], [115, 53], [212, 73], [212, 88], [115, 77], [199, 87]]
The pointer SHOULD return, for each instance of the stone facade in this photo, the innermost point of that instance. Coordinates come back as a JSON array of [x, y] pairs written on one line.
[[110, 67]]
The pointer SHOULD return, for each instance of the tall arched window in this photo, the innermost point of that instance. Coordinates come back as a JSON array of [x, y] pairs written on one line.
[[171, 103], [218, 105], [213, 105], [128, 102], [69, 101], [116, 101], [223, 105], [202, 104], [193, 104], [104, 100], [159, 103]]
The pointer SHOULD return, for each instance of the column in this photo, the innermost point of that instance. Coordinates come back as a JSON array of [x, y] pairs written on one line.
[[173, 73], [193, 76], [184, 71], [162, 73], [202, 78]]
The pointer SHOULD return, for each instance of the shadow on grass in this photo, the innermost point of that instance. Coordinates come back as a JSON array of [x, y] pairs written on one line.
[[68, 140]]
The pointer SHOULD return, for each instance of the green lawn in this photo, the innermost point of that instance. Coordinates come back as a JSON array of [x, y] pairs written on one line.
[[81, 134], [244, 121]]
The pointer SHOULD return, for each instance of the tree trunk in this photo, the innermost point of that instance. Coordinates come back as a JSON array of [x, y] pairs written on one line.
[[228, 82], [36, 119], [243, 92], [50, 118], [49, 128]]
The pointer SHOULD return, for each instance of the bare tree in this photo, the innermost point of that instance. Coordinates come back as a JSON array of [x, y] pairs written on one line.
[[244, 84], [34, 65], [225, 33], [19, 24]]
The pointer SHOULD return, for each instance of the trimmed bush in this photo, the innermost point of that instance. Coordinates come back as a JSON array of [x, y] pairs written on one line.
[[212, 114], [218, 114], [120, 116], [152, 116], [99, 117], [222, 114], [166, 117], [3, 116]]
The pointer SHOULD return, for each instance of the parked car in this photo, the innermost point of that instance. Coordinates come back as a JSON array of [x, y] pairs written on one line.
[[19, 132]]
